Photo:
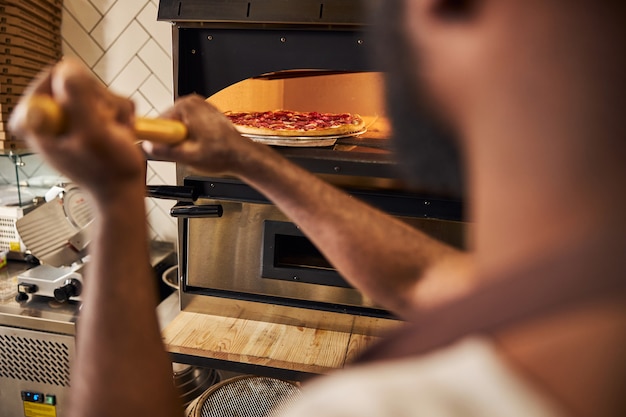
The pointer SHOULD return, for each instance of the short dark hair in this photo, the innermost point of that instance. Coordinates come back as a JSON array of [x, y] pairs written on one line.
[[424, 144]]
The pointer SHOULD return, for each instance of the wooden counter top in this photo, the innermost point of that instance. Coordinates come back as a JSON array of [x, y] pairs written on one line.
[[263, 344]]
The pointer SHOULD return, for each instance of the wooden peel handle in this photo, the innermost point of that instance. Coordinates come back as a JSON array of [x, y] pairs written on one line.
[[43, 115]]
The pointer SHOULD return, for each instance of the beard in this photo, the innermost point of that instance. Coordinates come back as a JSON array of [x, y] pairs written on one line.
[[424, 143]]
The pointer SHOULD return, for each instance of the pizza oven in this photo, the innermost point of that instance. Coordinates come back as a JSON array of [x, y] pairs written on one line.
[[239, 254]]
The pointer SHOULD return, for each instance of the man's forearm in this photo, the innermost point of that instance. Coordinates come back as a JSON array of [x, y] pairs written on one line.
[[353, 236], [117, 329]]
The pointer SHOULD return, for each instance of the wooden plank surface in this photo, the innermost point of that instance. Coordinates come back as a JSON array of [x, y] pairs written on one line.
[[356, 345], [261, 343]]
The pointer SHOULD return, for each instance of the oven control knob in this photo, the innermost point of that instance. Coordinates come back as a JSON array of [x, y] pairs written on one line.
[[72, 288], [21, 297], [23, 289], [27, 288]]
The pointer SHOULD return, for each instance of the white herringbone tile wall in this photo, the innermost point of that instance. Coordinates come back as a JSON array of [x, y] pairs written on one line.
[[130, 52]]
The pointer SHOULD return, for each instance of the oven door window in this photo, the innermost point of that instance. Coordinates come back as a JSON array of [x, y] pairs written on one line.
[[288, 255]]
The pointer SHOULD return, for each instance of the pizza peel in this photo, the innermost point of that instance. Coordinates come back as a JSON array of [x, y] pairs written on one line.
[[43, 115]]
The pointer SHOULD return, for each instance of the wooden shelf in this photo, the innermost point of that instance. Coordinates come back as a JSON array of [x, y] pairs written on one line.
[[263, 344]]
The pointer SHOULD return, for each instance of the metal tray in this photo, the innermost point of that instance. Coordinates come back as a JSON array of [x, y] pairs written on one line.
[[300, 141]]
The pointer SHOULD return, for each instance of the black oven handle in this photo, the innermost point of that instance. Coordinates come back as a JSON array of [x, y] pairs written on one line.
[[185, 195], [185, 210], [173, 192]]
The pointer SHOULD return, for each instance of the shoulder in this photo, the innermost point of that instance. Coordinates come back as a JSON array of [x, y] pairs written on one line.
[[467, 379]]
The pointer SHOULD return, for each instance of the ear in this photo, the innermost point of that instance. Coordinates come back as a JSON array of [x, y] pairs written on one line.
[[454, 9], [445, 36], [433, 18]]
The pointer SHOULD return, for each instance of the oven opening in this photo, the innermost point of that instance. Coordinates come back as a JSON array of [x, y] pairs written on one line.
[[360, 93], [298, 252], [288, 255]]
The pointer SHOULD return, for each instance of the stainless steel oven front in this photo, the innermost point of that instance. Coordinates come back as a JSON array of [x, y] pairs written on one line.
[[235, 245]]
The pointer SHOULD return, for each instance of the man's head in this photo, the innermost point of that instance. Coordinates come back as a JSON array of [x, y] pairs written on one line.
[[498, 72]]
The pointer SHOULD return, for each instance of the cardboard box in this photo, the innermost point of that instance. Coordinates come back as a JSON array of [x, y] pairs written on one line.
[[35, 48], [15, 80], [9, 99], [10, 71], [36, 37], [37, 8], [4, 130], [11, 52], [13, 64], [30, 40], [5, 112], [46, 5], [29, 29], [9, 89], [10, 13], [13, 144], [50, 6]]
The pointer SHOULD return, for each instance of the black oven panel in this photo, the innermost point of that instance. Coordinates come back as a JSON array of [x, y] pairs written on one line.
[[220, 42], [290, 256]]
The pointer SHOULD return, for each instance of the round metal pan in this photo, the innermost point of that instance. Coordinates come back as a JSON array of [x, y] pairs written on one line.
[[300, 141]]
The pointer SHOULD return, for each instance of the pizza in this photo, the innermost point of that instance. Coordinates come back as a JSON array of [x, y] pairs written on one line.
[[288, 123]]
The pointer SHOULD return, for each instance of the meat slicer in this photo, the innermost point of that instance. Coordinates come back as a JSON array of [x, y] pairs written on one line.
[[56, 234]]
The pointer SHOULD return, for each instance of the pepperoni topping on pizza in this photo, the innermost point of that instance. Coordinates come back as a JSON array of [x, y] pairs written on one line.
[[283, 121]]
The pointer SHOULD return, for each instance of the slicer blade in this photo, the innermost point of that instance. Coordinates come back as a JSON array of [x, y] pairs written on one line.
[[52, 234]]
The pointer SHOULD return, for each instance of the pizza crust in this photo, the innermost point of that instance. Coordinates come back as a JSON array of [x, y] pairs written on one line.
[[341, 130]]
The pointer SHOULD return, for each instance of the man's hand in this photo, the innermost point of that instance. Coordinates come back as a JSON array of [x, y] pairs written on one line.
[[213, 144], [97, 149]]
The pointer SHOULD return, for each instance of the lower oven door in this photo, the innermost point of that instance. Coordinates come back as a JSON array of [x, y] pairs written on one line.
[[251, 251]]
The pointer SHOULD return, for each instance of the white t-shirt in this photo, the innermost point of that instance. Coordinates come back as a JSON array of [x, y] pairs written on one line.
[[468, 379]]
